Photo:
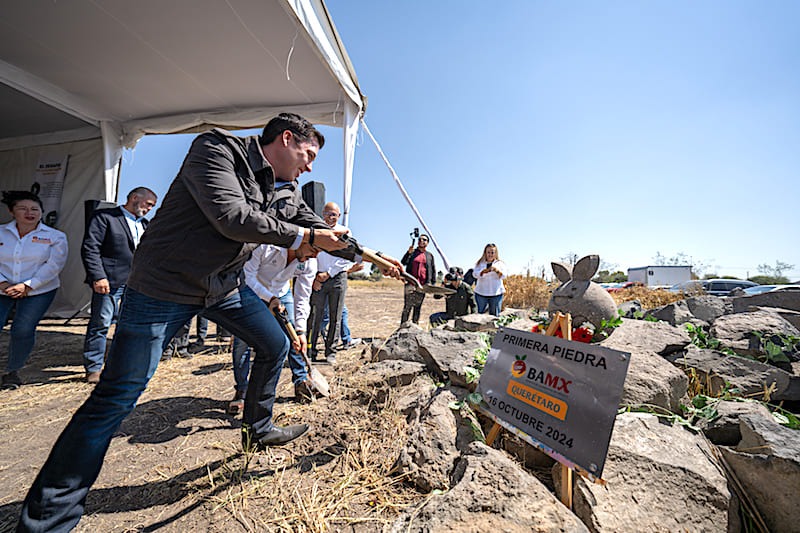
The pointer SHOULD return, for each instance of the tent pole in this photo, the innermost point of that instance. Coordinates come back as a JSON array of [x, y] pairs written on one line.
[[407, 197]]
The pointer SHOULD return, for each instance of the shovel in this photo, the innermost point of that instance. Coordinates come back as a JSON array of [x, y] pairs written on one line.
[[318, 381], [376, 258]]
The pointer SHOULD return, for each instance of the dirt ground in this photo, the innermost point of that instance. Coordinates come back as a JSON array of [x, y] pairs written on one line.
[[176, 462]]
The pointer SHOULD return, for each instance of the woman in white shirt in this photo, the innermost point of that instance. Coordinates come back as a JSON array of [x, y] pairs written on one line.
[[489, 289], [31, 258]]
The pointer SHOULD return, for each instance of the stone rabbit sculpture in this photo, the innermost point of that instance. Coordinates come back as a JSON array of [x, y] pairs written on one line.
[[577, 295]]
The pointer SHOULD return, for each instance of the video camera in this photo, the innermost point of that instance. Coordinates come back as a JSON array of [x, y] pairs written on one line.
[[455, 273]]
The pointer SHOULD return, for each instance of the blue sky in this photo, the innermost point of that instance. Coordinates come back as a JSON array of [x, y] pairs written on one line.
[[624, 129]]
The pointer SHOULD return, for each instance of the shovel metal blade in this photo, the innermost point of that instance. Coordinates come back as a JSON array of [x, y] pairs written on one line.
[[437, 289], [319, 382]]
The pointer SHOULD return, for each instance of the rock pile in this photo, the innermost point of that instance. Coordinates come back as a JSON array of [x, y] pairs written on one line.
[[660, 476]]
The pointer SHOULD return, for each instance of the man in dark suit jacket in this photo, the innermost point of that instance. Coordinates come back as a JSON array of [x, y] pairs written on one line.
[[107, 252]]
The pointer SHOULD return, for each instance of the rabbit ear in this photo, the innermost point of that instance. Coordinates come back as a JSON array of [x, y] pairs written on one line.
[[586, 267], [563, 272]]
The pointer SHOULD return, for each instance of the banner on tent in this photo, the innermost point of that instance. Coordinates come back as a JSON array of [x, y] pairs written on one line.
[[48, 183]]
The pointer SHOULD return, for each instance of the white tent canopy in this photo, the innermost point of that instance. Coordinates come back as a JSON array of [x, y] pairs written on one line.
[[85, 79]]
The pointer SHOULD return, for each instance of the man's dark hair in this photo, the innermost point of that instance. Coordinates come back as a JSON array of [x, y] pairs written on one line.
[[10, 198], [141, 191], [301, 128]]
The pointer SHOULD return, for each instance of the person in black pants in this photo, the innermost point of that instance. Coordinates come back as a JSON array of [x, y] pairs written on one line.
[[419, 263]]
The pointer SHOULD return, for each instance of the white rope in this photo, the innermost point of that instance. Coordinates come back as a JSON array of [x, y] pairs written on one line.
[[406, 196]]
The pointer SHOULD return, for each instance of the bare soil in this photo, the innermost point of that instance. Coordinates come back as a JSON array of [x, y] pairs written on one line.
[[176, 462]]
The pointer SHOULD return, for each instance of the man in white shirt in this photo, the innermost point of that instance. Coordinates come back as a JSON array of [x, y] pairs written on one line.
[[330, 287], [269, 272]]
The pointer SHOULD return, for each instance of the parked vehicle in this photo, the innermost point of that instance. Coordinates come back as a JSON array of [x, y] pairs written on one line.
[[620, 286], [721, 287], [715, 287], [759, 289], [690, 287]]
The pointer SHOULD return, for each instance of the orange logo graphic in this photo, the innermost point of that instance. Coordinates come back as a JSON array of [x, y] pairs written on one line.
[[518, 367]]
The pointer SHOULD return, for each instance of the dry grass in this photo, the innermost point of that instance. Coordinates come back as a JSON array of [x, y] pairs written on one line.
[[176, 463], [649, 298], [524, 293], [383, 283], [344, 479]]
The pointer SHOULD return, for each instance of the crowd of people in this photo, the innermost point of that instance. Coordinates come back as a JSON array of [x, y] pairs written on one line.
[[480, 289], [265, 253]]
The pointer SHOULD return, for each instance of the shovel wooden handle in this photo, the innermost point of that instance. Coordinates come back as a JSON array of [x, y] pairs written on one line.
[[288, 325], [373, 257]]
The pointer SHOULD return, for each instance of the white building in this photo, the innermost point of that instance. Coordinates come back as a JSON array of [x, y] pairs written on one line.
[[661, 275]]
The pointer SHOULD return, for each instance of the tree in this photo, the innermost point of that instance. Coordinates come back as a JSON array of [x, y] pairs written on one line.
[[775, 271], [772, 275], [698, 267], [769, 280], [604, 276], [570, 259], [679, 259]]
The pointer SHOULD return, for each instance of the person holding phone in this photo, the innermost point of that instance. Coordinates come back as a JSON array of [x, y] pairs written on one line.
[[419, 263], [489, 273]]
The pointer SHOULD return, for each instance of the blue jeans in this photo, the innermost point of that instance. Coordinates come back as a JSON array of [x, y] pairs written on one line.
[[345, 326], [56, 500], [29, 311], [439, 318], [494, 303], [241, 354], [105, 310]]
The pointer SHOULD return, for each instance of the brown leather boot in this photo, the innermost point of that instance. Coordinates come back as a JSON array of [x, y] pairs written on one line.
[[304, 392]]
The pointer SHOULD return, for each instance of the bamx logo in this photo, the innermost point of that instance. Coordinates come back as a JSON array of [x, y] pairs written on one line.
[[549, 380]]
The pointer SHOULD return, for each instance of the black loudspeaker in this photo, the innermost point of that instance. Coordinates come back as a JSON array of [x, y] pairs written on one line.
[[89, 206], [314, 196]]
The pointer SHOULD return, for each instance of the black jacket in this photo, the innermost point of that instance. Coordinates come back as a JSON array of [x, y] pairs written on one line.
[[221, 205], [430, 266], [107, 249], [461, 303]]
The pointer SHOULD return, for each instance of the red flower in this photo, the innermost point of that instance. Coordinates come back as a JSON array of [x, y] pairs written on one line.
[[535, 328], [582, 335]]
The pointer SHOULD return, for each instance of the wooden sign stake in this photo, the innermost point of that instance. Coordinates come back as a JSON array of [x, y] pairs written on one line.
[[561, 322]]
